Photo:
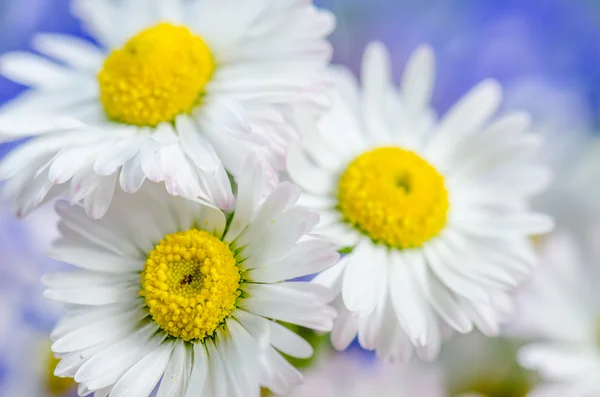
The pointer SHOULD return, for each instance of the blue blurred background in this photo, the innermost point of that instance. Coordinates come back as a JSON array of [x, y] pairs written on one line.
[[529, 45], [544, 52]]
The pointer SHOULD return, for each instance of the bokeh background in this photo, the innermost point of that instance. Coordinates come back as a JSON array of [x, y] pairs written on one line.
[[545, 54]]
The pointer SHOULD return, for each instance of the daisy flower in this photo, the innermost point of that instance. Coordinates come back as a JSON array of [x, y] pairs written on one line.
[[177, 91], [433, 212], [560, 311], [174, 289]]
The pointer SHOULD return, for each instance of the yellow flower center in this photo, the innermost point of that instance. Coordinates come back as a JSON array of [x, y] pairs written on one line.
[[56, 386], [190, 283], [158, 74], [393, 196]]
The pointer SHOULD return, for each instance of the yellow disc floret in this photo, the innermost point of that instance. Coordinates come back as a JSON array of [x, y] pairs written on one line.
[[158, 74], [191, 282], [393, 196]]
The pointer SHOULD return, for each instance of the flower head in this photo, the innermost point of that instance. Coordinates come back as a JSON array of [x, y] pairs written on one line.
[[175, 289], [433, 213], [179, 92], [559, 313]]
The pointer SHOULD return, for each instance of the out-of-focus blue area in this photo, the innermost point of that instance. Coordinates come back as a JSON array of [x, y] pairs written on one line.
[[21, 19], [510, 40]]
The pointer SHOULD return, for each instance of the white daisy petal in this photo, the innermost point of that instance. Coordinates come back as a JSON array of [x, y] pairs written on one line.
[[250, 192], [279, 236], [199, 374], [408, 302], [90, 335], [345, 327], [175, 380], [116, 359], [257, 326], [141, 379], [306, 257], [306, 175], [280, 375], [442, 300], [132, 175], [97, 202], [361, 278], [418, 80], [466, 117], [289, 343], [75, 52], [376, 72], [35, 71]]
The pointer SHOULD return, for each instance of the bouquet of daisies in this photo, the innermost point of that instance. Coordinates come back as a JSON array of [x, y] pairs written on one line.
[[221, 189]]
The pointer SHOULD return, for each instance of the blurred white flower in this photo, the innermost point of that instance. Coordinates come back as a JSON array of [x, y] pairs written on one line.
[[560, 310], [561, 114]]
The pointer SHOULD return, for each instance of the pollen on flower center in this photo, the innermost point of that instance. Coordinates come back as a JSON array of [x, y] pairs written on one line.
[[393, 196], [190, 283], [159, 73]]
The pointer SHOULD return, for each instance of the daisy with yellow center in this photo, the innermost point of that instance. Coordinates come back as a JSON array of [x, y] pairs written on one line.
[[430, 213], [180, 93], [177, 290]]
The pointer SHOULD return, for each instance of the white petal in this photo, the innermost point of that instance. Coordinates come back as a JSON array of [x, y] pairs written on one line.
[[132, 175], [307, 257], [279, 237], [362, 276], [344, 329], [109, 365], [141, 379], [94, 296], [174, 382], [280, 375], [251, 188], [90, 335], [447, 306], [257, 326], [93, 258], [97, 202], [418, 80], [281, 199], [410, 305], [195, 145], [376, 77], [200, 371], [34, 71], [21, 125], [307, 175], [75, 52], [216, 376], [288, 342], [466, 117]]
